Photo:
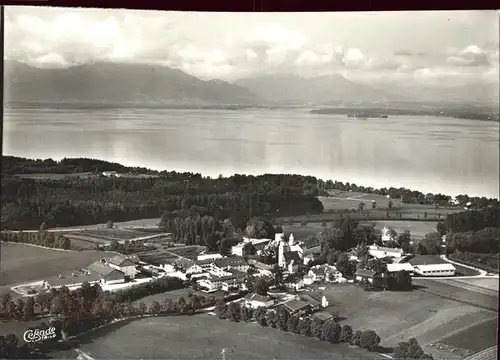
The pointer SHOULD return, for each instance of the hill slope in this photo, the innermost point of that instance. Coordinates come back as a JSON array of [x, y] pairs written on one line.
[[317, 90], [118, 84]]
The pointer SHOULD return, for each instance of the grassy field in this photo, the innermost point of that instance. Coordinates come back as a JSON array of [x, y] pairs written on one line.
[[204, 336], [45, 176], [113, 234], [418, 229], [398, 316], [141, 223], [23, 263], [485, 334], [485, 283]]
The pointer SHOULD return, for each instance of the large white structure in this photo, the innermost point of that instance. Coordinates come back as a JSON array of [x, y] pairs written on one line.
[[400, 266], [380, 252], [386, 234], [212, 256], [430, 265]]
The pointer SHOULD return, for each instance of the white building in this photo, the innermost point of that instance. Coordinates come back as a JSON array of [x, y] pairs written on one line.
[[400, 266], [254, 301], [126, 264], [380, 252], [386, 234], [212, 256], [430, 265]]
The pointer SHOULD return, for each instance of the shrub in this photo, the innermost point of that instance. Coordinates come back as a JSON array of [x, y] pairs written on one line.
[[369, 340]]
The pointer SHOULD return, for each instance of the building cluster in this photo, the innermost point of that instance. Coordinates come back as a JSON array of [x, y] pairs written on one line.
[[114, 270], [415, 265]]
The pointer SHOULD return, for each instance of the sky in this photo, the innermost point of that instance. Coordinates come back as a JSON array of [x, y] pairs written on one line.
[[427, 47]]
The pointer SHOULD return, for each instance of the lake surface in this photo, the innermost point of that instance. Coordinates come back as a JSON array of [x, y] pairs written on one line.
[[430, 154]]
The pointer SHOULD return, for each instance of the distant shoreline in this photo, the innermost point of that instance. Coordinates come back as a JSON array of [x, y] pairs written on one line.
[[444, 111]]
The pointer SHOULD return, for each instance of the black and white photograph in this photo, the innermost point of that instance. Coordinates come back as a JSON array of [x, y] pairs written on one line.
[[249, 185]]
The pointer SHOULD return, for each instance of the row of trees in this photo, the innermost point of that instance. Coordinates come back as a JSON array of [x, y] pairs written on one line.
[[78, 303], [328, 330], [410, 349], [41, 238], [409, 196], [466, 221]]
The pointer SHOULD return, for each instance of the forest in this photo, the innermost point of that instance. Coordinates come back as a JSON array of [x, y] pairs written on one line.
[[176, 197], [26, 203]]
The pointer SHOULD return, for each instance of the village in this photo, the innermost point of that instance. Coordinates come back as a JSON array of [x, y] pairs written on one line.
[[284, 281]]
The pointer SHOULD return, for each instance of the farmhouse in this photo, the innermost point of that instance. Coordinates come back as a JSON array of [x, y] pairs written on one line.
[[297, 307], [317, 274], [400, 266], [205, 265], [362, 274], [255, 301], [106, 274], [313, 303], [71, 279], [237, 263], [126, 264], [382, 252], [233, 281], [429, 265]]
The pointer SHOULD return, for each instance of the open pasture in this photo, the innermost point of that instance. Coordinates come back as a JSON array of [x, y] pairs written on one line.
[[490, 284], [132, 224], [398, 316], [48, 176], [189, 252], [204, 337], [24, 263], [418, 229], [113, 234]]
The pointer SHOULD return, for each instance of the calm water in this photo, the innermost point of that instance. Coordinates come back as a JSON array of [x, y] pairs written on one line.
[[425, 153]]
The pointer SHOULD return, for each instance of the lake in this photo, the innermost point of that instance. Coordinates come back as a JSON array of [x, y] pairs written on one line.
[[430, 154]]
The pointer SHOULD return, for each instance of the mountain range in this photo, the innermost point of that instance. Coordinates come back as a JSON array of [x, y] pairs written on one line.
[[112, 83], [118, 84]]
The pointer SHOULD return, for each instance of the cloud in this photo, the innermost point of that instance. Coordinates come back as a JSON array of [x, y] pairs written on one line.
[[201, 45], [472, 55]]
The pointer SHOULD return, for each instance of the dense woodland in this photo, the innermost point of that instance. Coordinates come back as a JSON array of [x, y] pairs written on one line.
[[80, 201], [93, 198]]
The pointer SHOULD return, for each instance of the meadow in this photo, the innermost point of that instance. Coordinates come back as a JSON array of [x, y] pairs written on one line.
[[166, 338], [398, 316], [23, 263]]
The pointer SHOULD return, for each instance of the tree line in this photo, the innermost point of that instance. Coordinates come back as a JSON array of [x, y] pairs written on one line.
[[41, 238], [81, 201]]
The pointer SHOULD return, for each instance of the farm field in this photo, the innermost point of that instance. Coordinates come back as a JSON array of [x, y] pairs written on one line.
[[418, 229], [449, 288], [485, 334], [46, 176], [166, 338], [24, 263], [486, 283], [398, 316], [141, 223]]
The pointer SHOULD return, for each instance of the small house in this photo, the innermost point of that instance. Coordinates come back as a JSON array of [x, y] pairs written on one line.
[[126, 264], [106, 274], [313, 303], [363, 274], [255, 301], [297, 307]]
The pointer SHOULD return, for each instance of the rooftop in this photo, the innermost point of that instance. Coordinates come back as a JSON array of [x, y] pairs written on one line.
[[365, 273], [230, 261], [123, 260], [183, 263], [101, 269], [257, 297], [295, 305], [386, 249], [72, 278], [310, 300], [427, 260], [323, 315]]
